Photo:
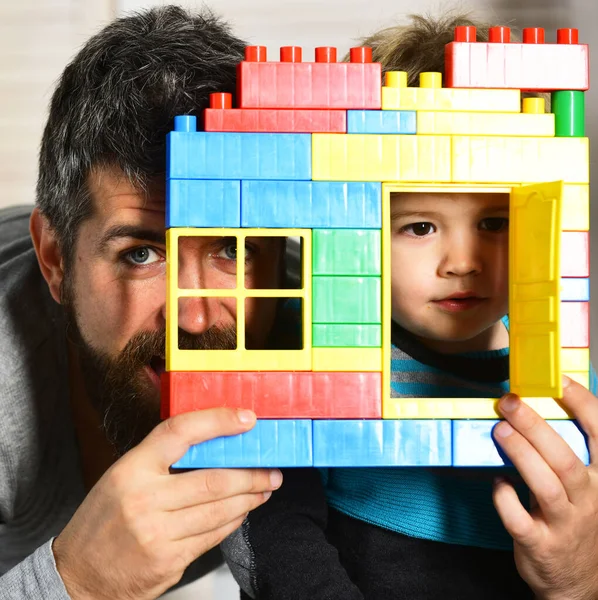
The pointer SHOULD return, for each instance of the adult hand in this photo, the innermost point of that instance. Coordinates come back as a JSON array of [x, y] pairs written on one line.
[[556, 543], [140, 526]]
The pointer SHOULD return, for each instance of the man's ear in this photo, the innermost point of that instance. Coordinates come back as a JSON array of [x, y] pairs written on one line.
[[48, 252]]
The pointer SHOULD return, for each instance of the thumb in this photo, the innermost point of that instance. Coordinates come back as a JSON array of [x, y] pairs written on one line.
[[170, 440]]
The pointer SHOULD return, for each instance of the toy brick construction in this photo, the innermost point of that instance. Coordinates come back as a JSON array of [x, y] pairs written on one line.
[[313, 152]]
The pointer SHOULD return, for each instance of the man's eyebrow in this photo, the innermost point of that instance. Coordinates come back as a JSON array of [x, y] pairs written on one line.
[[131, 231]]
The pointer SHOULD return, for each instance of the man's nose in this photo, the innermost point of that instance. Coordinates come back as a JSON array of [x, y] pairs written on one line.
[[461, 257], [197, 315]]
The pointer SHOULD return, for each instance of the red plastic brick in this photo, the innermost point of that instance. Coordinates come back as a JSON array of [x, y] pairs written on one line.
[[575, 324], [276, 395], [321, 84], [575, 254], [532, 65], [273, 120]]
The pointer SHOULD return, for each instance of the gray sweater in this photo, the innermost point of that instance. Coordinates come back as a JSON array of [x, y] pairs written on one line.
[[41, 482]]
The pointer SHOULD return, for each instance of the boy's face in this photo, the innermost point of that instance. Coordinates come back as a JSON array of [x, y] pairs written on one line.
[[449, 264]]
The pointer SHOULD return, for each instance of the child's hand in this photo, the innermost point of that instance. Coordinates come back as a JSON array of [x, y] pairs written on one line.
[[556, 545]]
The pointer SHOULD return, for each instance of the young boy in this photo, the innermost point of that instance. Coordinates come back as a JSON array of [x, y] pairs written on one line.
[[380, 533]]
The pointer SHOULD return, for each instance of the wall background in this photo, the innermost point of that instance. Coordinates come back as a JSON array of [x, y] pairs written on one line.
[[37, 38]]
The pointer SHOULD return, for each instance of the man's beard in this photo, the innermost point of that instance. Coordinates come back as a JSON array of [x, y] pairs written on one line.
[[119, 389]]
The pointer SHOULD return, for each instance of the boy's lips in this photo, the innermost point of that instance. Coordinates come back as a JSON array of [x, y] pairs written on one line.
[[460, 301]]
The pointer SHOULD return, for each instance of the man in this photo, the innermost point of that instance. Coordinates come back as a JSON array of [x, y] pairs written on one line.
[[82, 332]]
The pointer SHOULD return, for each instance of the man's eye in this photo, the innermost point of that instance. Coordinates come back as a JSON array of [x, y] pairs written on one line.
[[418, 229], [142, 256], [228, 252], [494, 224]]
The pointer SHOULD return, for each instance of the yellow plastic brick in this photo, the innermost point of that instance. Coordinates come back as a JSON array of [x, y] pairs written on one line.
[[476, 123], [576, 208], [575, 359], [582, 377], [534, 280], [363, 157], [239, 359], [431, 96], [347, 359], [461, 408], [485, 159]]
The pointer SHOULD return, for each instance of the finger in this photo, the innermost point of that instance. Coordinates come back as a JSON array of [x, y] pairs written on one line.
[[582, 405], [170, 440], [201, 519], [555, 451], [207, 485], [534, 470], [517, 521]]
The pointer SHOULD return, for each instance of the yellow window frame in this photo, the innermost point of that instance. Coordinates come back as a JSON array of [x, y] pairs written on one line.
[[239, 359], [482, 408]]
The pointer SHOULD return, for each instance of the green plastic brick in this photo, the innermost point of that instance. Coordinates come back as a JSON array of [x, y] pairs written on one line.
[[569, 113], [347, 299], [346, 252], [342, 335]]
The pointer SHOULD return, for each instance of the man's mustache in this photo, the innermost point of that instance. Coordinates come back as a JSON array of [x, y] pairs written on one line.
[[145, 345]]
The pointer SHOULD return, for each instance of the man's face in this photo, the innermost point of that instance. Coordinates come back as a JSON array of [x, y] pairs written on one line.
[[449, 263], [114, 296]]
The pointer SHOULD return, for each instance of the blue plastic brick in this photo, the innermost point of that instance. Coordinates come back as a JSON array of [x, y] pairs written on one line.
[[575, 289], [271, 443], [381, 121], [224, 155], [203, 203], [311, 204], [382, 443], [473, 445]]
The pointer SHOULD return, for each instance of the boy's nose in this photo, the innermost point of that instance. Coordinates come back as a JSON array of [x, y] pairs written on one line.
[[461, 259]]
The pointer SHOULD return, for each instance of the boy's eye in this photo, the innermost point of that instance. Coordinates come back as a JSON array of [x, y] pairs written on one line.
[[229, 251], [419, 229], [142, 256], [494, 224]]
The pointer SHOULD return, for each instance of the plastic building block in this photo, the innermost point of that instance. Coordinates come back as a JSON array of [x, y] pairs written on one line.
[[314, 204], [382, 443], [339, 335], [535, 367], [222, 117], [569, 110], [323, 84], [276, 395], [271, 443], [582, 377], [486, 159], [473, 445], [381, 121], [527, 66], [216, 155], [430, 95], [346, 252], [575, 289], [347, 299], [203, 203], [576, 208], [461, 408], [475, 123], [575, 329], [347, 359], [365, 157], [575, 359], [239, 359], [575, 254]]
